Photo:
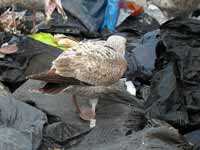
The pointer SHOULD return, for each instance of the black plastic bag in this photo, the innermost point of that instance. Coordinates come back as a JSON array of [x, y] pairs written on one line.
[[21, 126], [90, 13], [32, 57], [111, 123], [175, 87], [141, 56], [84, 19], [138, 25]]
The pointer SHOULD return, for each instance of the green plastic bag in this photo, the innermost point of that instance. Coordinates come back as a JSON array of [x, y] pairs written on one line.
[[48, 39]]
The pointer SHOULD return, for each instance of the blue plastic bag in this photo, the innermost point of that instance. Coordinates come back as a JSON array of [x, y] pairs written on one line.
[[111, 14]]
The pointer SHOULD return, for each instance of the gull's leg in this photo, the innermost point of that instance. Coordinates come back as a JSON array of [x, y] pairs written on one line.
[[89, 114], [50, 6], [46, 9], [75, 103], [34, 17], [60, 9], [14, 17], [93, 103]]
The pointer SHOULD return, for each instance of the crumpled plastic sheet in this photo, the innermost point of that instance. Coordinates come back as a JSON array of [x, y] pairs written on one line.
[[156, 134], [175, 85], [193, 137], [71, 26], [21, 126], [142, 36], [15, 67], [90, 13], [138, 25], [120, 125], [141, 56], [111, 123]]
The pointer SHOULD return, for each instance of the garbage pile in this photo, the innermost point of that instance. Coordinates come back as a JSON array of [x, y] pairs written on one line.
[[154, 105]]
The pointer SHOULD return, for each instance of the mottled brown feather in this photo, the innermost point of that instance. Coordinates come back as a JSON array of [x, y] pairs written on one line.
[[52, 77], [91, 62], [88, 69]]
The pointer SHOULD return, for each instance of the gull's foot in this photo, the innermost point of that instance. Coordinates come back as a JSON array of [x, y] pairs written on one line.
[[87, 114]]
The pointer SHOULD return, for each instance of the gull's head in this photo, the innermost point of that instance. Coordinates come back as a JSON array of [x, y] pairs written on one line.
[[118, 43]]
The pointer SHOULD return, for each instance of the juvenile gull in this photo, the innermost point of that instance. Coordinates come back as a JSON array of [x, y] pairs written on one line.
[[88, 69]]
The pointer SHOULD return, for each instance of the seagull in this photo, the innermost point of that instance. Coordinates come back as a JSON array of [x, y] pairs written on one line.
[[176, 8], [89, 69], [46, 6]]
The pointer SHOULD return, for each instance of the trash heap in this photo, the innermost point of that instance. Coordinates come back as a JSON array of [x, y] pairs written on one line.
[[162, 62]]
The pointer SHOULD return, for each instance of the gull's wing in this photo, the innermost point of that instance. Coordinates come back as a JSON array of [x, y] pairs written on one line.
[[91, 62]]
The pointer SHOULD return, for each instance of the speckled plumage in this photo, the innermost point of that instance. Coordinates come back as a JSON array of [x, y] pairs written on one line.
[[88, 69], [91, 62], [176, 8], [96, 64]]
